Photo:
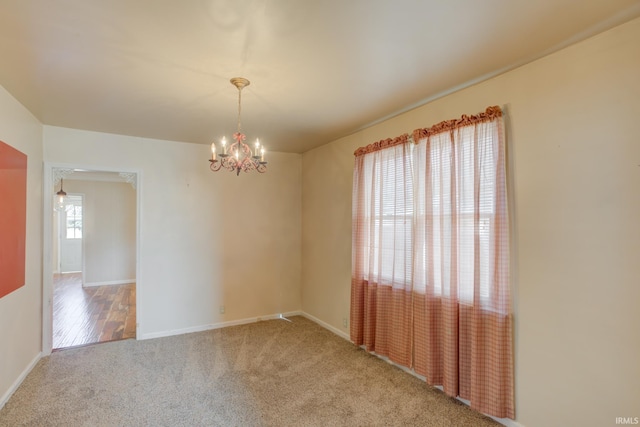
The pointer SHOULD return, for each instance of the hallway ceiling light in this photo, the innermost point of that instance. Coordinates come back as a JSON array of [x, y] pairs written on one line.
[[60, 198], [238, 157]]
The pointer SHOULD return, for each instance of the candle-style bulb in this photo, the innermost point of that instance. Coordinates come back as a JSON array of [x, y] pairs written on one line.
[[262, 151], [257, 146], [213, 151]]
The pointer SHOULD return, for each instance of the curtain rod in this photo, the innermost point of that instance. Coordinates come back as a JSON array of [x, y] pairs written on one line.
[[491, 113]]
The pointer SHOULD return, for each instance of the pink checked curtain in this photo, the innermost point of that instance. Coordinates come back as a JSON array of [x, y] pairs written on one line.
[[445, 309]]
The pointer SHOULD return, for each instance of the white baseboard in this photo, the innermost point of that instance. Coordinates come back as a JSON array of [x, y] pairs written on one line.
[[216, 325], [112, 282], [504, 421], [18, 381], [507, 422], [325, 325]]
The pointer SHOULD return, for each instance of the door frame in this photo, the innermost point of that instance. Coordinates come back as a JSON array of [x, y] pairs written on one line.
[[47, 253]]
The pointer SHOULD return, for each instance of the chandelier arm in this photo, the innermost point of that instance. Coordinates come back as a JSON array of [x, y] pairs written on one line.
[[230, 164]]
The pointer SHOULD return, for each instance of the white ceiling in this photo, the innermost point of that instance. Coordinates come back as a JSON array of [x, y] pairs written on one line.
[[319, 69]]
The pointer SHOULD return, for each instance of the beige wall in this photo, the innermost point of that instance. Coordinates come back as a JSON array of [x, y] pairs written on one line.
[[573, 122], [109, 230], [20, 311], [206, 239]]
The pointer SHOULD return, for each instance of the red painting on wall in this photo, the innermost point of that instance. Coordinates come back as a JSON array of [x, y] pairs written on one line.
[[13, 218]]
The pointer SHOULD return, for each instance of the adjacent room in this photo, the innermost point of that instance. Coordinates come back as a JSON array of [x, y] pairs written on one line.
[[266, 212], [94, 257]]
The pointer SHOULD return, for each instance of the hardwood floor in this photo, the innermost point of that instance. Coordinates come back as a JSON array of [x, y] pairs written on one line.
[[90, 315]]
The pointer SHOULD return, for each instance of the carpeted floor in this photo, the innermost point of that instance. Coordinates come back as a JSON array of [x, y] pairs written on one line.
[[271, 373]]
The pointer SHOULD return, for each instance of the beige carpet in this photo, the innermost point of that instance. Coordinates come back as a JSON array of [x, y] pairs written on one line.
[[272, 373]]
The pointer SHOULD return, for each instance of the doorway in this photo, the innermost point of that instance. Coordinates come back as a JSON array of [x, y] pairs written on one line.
[[94, 264]]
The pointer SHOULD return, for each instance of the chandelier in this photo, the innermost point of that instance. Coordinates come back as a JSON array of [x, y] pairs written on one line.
[[238, 157]]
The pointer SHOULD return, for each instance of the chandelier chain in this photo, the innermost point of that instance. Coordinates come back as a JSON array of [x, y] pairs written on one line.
[[239, 110]]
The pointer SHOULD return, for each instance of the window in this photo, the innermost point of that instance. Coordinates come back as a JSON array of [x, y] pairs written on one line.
[[444, 214], [430, 273], [455, 211], [389, 216]]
